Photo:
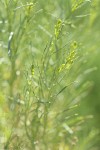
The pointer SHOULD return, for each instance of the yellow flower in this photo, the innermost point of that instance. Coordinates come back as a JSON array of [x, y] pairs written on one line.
[[70, 57], [58, 28], [32, 70], [29, 8]]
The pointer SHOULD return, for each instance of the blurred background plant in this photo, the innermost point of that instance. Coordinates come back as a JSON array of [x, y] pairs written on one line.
[[49, 75]]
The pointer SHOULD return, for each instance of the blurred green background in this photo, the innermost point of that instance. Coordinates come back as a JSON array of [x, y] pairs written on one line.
[[33, 28]]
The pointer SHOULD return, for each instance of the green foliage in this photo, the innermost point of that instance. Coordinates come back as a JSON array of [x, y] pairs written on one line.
[[47, 82]]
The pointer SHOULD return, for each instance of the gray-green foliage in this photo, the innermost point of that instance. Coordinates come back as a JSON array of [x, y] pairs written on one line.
[[46, 54]]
